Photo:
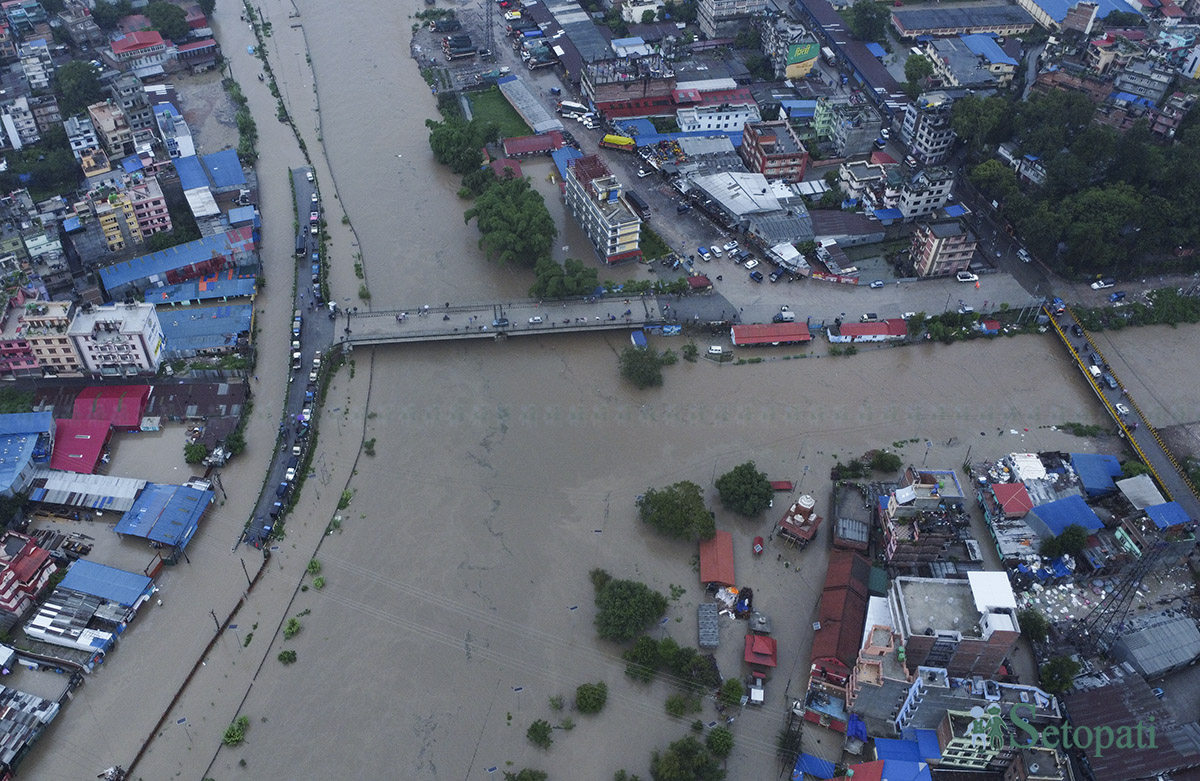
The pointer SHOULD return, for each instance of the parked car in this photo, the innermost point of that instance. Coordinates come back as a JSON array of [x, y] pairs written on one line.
[[715, 250], [751, 263], [715, 350], [966, 276], [281, 490], [1023, 254], [757, 276], [308, 175], [1076, 330], [730, 246], [535, 320], [1117, 296], [314, 216], [682, 208], [877, 284], [1157, 692], [777, 274], [880, 143], [643, 173], [1121, 408], [1103, 284], [1110, 381], [869, 317], [703, 253], [289, 475]]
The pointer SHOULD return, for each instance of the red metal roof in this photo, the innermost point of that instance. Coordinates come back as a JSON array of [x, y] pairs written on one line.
[[893, 327], [685, 96], [1013, 498], [142, 39], [530, 145], [761, 650], [770, 333], [28, 561], [843, 608], [782, 485], [699, 282], [78, 444], [864, 771], [882, 158], [716, 559], [121, 406], [502, 164], [207, 43]]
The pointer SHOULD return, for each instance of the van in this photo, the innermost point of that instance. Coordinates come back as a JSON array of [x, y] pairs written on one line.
[[715, 350], [785, 317], [1094, 370], [869, 317], [1023, 255]]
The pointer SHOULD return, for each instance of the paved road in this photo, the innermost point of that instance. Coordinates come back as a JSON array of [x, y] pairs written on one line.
[[1132, 424], [316, 335]]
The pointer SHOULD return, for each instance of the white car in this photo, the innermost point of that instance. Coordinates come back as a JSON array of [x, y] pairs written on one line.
[[535, 320], [751, 263], [967, 276], [308, 175], [730, 246], [715, 250], [1103, 284], [1121, 409], [290, 475], [643, 173]]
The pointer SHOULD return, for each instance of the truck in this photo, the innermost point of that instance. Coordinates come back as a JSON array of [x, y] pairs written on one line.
[[828, 56], [623, 143], [297, 321], [447, 25], [460, 54], [638, 204], [784, 317]]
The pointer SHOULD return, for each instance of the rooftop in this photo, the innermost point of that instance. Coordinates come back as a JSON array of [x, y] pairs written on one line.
[[169, 514], [974, 16], [776, 138], [935, 603], [193, 253]]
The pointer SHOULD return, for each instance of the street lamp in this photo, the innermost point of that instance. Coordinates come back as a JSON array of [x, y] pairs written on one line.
[[350, 310]]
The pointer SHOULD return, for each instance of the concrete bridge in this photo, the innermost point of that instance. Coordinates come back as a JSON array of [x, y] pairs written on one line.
[[428, 323]]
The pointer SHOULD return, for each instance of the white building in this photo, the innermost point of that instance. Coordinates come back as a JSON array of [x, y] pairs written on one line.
[[722, 17], [729, 118], [80, 134], [36, 64], [927, 191], [118, 339], [20, 128], [594, 198], [926, 129]]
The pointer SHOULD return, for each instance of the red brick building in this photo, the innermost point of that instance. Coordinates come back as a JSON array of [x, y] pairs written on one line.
[[774, 150]]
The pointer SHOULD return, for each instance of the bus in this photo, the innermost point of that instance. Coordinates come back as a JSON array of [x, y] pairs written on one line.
[[568, 108], [638, 204], [301, 244]]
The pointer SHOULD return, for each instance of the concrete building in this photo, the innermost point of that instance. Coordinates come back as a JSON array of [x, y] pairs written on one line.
[[25, 571], [112, 127], [94, 163], [774, 150], [80, 27], [850, 128], [118, 339], [725, 117], [114, 211], [720, 18], [1003, 20], [925, 192], [594, 198], [81, 135], [1156, 645], [46, 326], [770, 212], [20, 128], [16, 358], [636, 87], [858, 177], [941, 247], [632, 11], [127, 91], [964, 627], [174, 131], [974, 61], [1144, 79], [27, 442], [783, 40], [926, 129], [36, 64], [139, 51], [45, 112], [149, 205]]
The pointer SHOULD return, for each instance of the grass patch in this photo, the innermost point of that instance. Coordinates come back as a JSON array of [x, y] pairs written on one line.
[[491, 106], [1083, 429]]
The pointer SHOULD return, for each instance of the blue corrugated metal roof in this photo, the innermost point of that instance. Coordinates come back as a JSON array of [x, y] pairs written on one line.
[[889, 214], [71, 224], [202, 249], [115, 585], [1096, 471], [876, 50], [894, 748], [927, 744], [191, 173], [813, 766], [1061, 513], [1167, 515], [225, 168], [201, 290], [1057, 9], [204, 328], [955, 210], [132, 164], [562, 157], [241, 215], [17, 423], [986, 46], [799, 108], [165, 513]]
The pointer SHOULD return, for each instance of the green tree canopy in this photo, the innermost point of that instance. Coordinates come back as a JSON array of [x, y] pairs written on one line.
[[170, 20], [107, 14], [868, 20], [1058, 673], [540, 734], [527, 774], [976, 119], [79, 86], [886, 462], [514, 225], [916, 68], [642, 366], [570, 279], [207, 7], [1033, 625], [678, 511], [685, 760], [591, 697], [626, 608], [719, 742], [745, 490]]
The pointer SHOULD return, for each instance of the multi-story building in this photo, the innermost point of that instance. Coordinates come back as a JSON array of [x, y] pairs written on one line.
[[46, 325], [112, 127], [632, 11], [36, 64], [779, 38], [94, 162], [856, 178], [8, 41], [723, 17], [20, 128], [966, 627], [45, 112], [925, 192], [941, 247], [594, 197], [16, 358], [127, 91], [118, 339], [149, 205], [1144, 79], [852, 129], [80, 134], [141, 49], [633, 87], [975, 61], [79, 25], [174, 131], [27, 18], [118, 221], [728, 117], [774, 150], [926, 129], [25, 571]]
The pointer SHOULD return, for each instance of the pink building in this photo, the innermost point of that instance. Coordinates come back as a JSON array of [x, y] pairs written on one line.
[[25, 571], [149, 206], [16, 355]]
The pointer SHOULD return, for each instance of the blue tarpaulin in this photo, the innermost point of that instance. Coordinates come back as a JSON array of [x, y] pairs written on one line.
[[1096, 471], [1050, 519], [813, 766], [115, 585], [876, 50], [1167, 515]]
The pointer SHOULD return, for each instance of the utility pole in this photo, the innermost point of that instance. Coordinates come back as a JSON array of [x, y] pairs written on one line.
[[213, 613]]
